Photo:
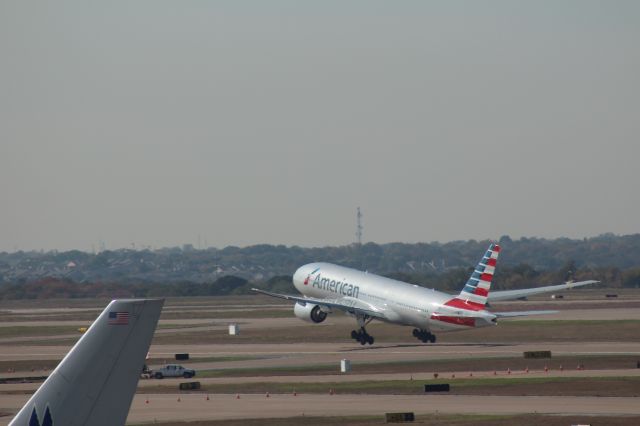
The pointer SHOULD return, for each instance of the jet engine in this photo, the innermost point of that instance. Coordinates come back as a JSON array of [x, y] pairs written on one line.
[[309, 312]]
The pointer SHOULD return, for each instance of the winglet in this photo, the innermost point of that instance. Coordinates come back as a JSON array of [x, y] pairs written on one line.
[[95, 382]]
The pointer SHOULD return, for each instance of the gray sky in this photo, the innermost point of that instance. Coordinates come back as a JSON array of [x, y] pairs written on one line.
[[153, 122]]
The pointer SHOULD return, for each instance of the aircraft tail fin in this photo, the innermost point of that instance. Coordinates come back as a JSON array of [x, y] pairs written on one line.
[[475, 292], [95, 382]]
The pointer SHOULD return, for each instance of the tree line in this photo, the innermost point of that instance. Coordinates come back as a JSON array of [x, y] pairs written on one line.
[[452, 280]]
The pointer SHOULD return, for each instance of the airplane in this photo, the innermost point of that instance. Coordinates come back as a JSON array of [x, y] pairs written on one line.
[[366, 296], [95, 382]]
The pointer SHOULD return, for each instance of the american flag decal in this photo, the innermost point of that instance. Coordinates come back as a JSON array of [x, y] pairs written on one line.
[[118, 318]]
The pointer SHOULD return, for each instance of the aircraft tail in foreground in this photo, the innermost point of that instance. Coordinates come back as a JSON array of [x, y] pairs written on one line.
[[95, 382]]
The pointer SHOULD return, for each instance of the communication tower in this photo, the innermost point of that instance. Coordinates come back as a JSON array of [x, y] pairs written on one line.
[[359, 227]]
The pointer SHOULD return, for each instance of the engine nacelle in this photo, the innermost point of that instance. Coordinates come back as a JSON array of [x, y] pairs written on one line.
[[309, 312]]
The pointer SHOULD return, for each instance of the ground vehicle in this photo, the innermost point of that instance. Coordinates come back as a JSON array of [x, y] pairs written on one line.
[[173, 370]]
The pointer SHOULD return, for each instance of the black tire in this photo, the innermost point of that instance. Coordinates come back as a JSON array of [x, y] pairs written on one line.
[[158, 375], [354, 334], [187, 375], [415, 332], [370, 340], [432, 339]]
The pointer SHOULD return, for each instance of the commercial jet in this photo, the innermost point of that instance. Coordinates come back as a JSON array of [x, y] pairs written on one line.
[[95, 382], [367, 296]]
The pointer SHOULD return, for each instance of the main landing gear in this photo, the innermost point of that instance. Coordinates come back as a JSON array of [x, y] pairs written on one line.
[[362, 336], [424, 336]]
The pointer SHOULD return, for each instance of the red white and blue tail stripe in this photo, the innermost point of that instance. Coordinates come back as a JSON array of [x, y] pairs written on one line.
[[474, 294]]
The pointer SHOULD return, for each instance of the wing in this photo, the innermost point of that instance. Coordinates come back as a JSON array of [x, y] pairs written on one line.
[[486, 315], [346, 304], [495, 296]]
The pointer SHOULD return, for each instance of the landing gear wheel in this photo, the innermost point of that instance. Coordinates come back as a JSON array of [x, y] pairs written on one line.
[[424, 336], [362, 337]]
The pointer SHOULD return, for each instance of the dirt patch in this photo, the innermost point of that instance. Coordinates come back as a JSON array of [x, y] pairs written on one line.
[[501, 364], [30, 331], [475, 364], [556, 386], [28, 365], [506, 332]]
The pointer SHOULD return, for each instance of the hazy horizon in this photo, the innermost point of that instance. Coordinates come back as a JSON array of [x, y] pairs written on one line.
[[205, 246], [159, 123]]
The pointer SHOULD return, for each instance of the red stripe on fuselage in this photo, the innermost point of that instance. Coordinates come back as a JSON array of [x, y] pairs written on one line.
[[469, 322], [463, 304]]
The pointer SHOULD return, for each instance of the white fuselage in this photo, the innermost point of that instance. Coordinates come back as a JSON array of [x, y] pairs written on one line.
[[401, 303]]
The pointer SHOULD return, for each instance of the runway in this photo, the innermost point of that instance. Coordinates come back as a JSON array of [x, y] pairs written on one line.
[[350, 378], [278, 355], [165, 407], [232, 353]]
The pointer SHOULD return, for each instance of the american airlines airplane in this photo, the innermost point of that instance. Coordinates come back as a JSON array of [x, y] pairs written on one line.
[[366, 297], [94, 384]]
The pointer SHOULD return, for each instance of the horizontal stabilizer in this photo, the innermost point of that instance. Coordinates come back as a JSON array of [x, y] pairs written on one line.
[[522, 313], [447, 311]]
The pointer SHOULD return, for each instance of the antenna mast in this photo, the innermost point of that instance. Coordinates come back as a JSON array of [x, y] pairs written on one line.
[[359, 227]]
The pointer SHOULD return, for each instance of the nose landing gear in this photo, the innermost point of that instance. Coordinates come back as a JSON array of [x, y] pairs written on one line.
[[424, 336]]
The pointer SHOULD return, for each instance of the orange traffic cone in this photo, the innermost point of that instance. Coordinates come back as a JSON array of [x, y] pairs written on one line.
[[207, 398], [146, 401], [237, 396], [267, 395]]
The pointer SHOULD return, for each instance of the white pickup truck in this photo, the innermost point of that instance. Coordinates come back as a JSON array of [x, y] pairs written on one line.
[[173, 370]]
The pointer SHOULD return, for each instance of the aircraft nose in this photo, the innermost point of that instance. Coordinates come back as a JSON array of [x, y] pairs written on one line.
[[301, 276], [298, 276]]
